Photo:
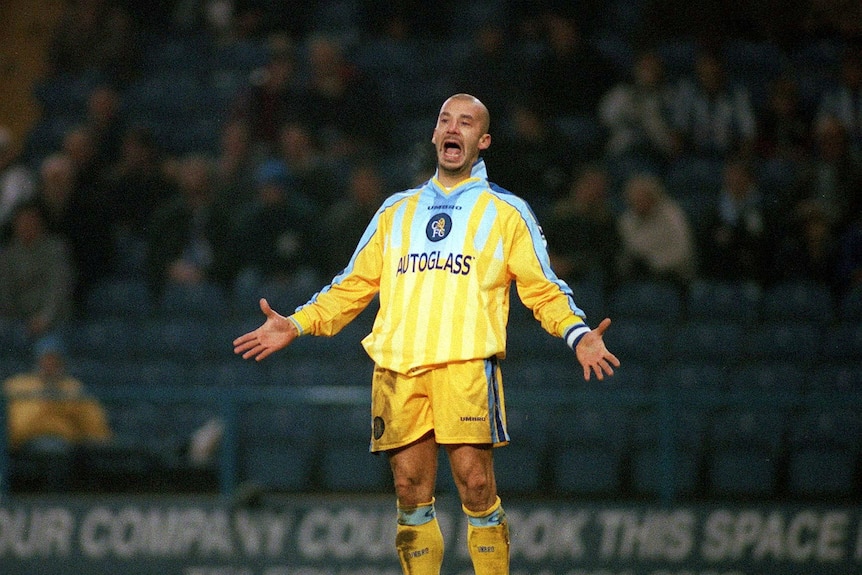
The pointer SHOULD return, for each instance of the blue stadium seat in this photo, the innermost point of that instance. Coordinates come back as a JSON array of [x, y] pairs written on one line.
[[822, 472], [784, 377], [641, 340], [119, 297], [850, 305], [323, 369], [843, 341], [688, 427], [277, 467], [646, 299], [587, 471], [709, 300], [518, 468], [742, 472], [178, 339], [783, 340], [527, 425], [528, 340], [590, 297], [746, 426], [648, 473], [824, 426], [229, 373], [719, 340], [560, 373], [354, 469], [293, 424], [103, 338], [833, 378], [602, 427], [347, 424], [204, 300], [798, 300], [693, 376]]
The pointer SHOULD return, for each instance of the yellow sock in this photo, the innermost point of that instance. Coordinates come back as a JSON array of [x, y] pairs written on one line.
[[488, 540], [419, 540]]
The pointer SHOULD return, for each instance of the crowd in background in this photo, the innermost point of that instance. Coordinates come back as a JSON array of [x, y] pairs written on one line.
[[638, 162]]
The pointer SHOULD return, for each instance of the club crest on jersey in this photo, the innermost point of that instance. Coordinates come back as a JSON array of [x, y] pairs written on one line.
[[438, 227]]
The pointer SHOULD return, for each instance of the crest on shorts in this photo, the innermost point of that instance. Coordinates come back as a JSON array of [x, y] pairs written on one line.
[[378, 427], [438, 227]]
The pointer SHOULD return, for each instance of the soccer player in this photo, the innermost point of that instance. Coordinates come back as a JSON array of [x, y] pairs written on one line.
[[442, 258]]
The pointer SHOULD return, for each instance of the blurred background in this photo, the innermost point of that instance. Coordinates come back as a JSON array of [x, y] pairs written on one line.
[[696, 167]]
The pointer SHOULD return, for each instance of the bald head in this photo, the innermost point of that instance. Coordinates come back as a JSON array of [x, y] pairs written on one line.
[[482, 114]]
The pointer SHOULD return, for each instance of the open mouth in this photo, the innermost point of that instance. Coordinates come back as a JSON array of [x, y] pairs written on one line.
[[452, 150]]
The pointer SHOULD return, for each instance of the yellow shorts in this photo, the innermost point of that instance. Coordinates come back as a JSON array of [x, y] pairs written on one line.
[[461, 402]]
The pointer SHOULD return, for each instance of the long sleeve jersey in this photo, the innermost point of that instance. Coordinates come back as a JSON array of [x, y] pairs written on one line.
[[442, 261]]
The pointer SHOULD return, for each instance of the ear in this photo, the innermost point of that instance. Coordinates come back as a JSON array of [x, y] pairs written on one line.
[[485, 142]]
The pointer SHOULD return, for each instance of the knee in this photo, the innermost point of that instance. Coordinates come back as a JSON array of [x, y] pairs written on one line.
[[413, 488], [478, 489]]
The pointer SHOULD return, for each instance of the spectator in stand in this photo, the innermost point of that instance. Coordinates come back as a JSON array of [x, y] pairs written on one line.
[[581, 229], [850, 258], [844, 101], [490, 69], [36, 279], [81, 216], [48, 403], [190, 240], [570, 77], [312, 174], [657, 241], [832, 177], [346, 220], [532, 157], [636, 113], [134, 187], [809, 250], [235, 167], [95, 36], [80, 146], [275, 231], [17, 182], [713, 118], [343, 101], [273, 98], [784, 127], [735, 238], [105, 124]]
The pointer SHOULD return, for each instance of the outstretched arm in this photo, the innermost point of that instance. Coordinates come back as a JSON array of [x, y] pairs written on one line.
[[593, 355], [276, 333]]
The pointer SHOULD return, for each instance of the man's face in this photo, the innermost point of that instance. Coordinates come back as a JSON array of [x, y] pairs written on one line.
[[460, 134]]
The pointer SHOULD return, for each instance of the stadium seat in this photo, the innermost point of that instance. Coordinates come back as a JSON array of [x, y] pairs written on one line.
[[590, 426], [277, 467], [646, 299], [776, 376], [204, 300], [742, 472], [710, 300], [641, 340], [323, 369], [822, 472], [103, 338], [687, 427], [123, 298], [648, 472], [529, 341], [746, 426], [353, 469], [783, 341], [289, 424], [558, 373], [693, 376], [843, 341], [180, 339], [718, 341], [825, 426], [798, 301], [518, 468], [836, 378], [229, 373], [587, 471], [348, 424], [850, 305]]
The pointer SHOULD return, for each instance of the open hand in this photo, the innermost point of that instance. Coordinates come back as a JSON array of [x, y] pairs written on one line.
[[593, 355], [276, 333]]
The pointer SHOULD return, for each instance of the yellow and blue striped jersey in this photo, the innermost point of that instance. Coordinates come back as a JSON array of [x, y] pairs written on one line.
[[442, 261]]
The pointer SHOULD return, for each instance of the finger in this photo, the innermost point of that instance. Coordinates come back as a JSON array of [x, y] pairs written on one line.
[[253, 352], [244, 338], [244, 347], [600, 374], [613, 359], [264, 307], [603, 326], [587, 372]]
